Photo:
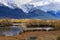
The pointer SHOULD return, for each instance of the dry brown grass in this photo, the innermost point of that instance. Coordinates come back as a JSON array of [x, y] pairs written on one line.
[[41, 35]]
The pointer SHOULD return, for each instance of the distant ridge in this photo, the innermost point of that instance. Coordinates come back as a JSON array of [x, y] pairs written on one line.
[[20, 14], [12, 13]]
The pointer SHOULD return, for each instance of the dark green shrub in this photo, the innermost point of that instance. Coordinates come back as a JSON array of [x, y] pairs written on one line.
[[32, 38], [58, 38]]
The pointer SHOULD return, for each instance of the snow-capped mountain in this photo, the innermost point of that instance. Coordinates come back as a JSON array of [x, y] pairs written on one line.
[[49, 15], [11, 13], [29, 9], [21, 4], [52, 6], [18, 13], [15, 3], [25, 4]]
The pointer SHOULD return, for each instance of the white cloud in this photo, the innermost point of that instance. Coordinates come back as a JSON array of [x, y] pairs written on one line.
[[44, 2], [56, 0], [41, 3], [19, 3]]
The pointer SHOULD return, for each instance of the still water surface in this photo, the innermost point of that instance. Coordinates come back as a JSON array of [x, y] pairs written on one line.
[[14, 30]]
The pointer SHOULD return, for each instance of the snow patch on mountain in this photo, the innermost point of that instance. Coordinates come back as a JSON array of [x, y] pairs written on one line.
[[16, 3], [22, 3]]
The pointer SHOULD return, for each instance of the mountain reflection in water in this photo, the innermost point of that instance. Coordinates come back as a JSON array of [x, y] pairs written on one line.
[[13, 31]]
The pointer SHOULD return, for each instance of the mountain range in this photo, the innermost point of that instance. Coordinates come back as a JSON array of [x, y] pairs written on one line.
[[34, 13]]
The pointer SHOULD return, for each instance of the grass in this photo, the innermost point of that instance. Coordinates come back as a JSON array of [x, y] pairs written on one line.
[[58, 38]]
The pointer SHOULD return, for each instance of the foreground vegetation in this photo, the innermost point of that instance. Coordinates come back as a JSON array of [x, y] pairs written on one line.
[[51, 35], [32, 22], [5, 24], [58, 38]]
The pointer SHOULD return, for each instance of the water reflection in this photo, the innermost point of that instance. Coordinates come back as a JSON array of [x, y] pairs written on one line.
[[14, 30]]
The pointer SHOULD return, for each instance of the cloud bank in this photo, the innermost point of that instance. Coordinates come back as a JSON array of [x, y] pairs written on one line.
[[21, 3]]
